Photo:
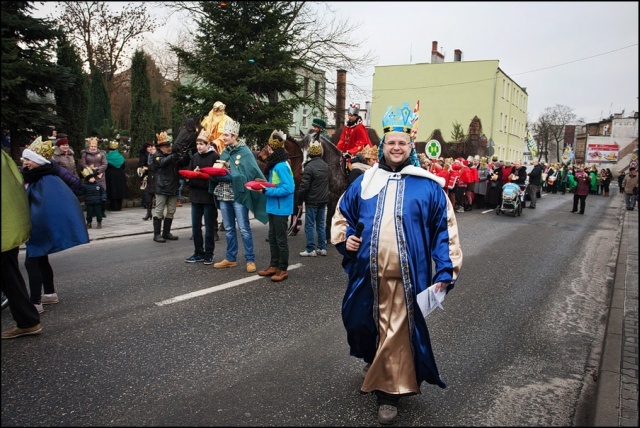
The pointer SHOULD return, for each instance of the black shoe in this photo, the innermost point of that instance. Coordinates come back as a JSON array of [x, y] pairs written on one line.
[[581, 212]]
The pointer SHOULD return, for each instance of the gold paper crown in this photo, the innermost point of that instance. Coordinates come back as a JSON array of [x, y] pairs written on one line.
[[232, 127], [113, 144], [43, 148], [163, 138], [370, 152], [276, 139], [315, 149], [204, 136], [92, 140], [87, 172]]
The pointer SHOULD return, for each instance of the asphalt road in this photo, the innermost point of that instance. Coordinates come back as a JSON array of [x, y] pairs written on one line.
[[518, 342]]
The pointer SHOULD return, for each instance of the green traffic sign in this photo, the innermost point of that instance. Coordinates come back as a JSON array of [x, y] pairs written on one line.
[[433, 149]]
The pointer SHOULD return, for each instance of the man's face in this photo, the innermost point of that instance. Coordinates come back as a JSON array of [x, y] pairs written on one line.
[[352, 117], [316, 128], [202, 146], [517, 165], [396, 148], [165, 148], [229, 139]]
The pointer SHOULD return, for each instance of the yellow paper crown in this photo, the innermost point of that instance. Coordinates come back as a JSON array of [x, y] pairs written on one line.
[[163, 138], [43, 148], [276, 140], [113, 144]]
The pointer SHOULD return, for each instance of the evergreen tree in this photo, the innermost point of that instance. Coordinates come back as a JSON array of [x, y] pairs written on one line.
[[245, 56], [99, 112], [72, 103], [142, 126], [29, 77]]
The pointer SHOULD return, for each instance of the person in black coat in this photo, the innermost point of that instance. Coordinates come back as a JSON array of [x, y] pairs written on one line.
[[94, 196], [535, 181], [165, 164], [203, 204], [314, 191]]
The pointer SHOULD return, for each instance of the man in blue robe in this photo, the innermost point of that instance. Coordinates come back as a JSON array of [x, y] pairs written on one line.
[[406, 223]]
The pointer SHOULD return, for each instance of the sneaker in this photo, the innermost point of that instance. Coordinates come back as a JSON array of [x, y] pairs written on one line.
[[39, 307], [460, 210], [306, 253], [321, 252], [49, 299], [225, 264], [195, 258], [387, 414], [251, 267], [208, 260], [17, 331]]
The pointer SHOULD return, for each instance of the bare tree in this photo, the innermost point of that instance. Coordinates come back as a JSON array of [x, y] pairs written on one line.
[[103, 37], [550, 130]]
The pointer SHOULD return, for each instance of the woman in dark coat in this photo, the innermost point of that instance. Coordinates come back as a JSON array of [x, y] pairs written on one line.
[[115, 177], [494, 191]]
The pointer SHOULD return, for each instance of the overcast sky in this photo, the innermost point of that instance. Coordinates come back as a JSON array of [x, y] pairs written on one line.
[[580, 54]]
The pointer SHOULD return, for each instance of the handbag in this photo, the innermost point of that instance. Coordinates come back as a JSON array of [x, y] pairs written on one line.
[[143, 185], [551, 179], [544, 176]]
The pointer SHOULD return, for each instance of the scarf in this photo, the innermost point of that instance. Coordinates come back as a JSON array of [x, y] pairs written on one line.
[[278, 155], [115, 158], [35, 174]]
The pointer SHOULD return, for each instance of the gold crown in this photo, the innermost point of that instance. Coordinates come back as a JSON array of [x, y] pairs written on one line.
[[204, 136], [232, 127], [276, 139], [163, 138], [315, 149], [370, 152], [87, 172], [92, 140], [43, 148], [113, 144]]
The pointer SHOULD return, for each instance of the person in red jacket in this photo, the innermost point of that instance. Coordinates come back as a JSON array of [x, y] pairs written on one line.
[[354, 135]]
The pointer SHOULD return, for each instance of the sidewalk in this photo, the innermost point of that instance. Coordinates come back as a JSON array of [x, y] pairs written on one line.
[[617, 389]]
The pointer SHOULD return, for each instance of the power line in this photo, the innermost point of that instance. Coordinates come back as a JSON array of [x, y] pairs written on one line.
[[516, 74]]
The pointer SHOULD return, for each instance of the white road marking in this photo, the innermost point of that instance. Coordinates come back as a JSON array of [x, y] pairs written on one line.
[[217, 288]]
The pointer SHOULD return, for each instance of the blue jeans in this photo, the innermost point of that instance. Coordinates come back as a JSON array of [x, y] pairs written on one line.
[[630, 200], [314, 222], [233, 212], [207, 246], [180, 188]]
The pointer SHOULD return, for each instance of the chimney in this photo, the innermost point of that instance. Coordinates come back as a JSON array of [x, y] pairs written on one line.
[[457, 55], [341, 98], [436, 57]]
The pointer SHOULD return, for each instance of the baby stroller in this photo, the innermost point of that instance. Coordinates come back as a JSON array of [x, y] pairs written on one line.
[[512, 200]]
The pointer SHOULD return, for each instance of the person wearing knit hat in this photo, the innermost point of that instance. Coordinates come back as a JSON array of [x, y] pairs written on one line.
[[354, 136], [314, 192], [236, 200], [64, 155], [320, 126], [390, 259], [52, 203], [279, 206]]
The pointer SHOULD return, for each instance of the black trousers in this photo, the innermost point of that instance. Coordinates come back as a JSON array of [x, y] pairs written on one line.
[[583, 201], [13, 286], [40, 275], [278, 243]]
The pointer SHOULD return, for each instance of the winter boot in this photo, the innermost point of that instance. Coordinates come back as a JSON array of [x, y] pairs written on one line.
[[281, 275], [148, 216], [157, 224], [99, 225], [88, 225], [166, 234]]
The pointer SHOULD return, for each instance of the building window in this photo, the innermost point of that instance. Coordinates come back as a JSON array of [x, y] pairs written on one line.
[[306, 86], [317, 91], [305, 118]]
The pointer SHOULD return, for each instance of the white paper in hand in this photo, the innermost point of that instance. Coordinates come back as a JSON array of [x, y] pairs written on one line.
[[428, 300]]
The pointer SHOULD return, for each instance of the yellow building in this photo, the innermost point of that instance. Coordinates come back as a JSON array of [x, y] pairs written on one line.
[[456, 92]]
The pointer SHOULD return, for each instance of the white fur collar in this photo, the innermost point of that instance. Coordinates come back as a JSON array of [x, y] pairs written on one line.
[[374, 179]]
